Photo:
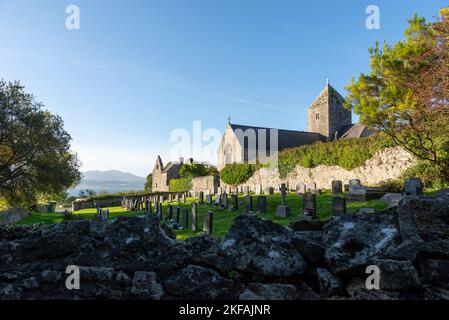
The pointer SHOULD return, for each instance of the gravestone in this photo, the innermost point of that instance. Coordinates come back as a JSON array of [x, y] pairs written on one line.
[[338, 206], [208, 222], [169, 212], [159, 211], [161, 199], [177, 213], [147, 206], [245, 190], [201, 198], [262, 204], [170, 198], [337, 187], [185, 218], [355, 183], [413, 187], [150, 207], [301, 189], [183, 198], [218, 199], [309, 204], [177, 198], [356, 191], [258, 189], [312, 187], [234, 202], [219, 190], [269, 190], [209, 199], [194, 216], [248, 204], [224, 201], [283, 210]]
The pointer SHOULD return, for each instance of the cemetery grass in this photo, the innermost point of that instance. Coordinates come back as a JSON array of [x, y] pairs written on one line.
[[223, 219]]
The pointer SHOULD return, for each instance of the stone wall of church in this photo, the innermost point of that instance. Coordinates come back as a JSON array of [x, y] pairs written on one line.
[[386, 164], [206, 184], [229, 144]]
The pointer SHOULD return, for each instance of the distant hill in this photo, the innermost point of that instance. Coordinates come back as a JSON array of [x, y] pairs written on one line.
[[109, 181]]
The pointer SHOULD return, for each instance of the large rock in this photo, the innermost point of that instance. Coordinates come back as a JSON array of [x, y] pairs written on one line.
[[270, 291], [262, 247], [397, 275], [357, 290], [145, 286], [12, 216], [309, 245], [351, 242], [330, 285], [197, 282]]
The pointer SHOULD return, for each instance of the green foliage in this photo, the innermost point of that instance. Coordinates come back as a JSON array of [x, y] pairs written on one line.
[[348, 153], [197, 170], [180, 185], [432, 176], [149, 183], [235, 174], [35, 156], [392, 185]]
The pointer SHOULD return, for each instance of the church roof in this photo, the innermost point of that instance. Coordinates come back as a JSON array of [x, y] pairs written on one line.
[[286, 138], [350, 131]]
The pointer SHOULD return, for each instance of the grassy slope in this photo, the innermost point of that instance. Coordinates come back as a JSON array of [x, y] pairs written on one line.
[[223, 219]]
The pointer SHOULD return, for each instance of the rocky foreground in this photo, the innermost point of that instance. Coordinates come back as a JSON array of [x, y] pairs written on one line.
[[133, 258]]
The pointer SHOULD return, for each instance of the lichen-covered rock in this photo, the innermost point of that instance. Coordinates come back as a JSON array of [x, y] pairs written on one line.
[[145, 286], [269, 291], [397, 275], [309, 245], [357, 290], [12, 216], [197, 282], [330, 285], [351, 242], [262, 247]]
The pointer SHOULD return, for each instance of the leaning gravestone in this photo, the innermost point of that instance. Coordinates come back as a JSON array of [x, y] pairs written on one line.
[[283, 210], [309, 204], [338, 206], [194, 216], [248, 204], [209, 199], [185, 218], [208, 222], [337, 187], [413, 187], [262, 204], [234, 202]]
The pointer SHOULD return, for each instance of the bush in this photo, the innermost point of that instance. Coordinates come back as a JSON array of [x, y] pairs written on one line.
[[431, 175], [235, 174], [392, 185], [348, 154], [180, 185]]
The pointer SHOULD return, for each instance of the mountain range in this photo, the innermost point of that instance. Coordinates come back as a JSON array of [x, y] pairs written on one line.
[[110, 181]]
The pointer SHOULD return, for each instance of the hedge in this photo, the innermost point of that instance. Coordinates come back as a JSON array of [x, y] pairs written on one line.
[[180, 185], [235, 174], [348, 153]]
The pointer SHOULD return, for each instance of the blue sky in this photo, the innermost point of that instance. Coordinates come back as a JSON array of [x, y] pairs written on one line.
[[137, 70]]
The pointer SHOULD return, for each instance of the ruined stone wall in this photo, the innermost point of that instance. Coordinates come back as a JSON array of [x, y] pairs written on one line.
[[205, 184], [387, 164]]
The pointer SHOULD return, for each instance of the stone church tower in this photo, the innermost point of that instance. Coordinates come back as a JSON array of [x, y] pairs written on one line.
[[326, 115]]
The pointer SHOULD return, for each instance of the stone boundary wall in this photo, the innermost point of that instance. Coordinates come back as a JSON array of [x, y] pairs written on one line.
[[205, 184], [80, 205], [389, 163]]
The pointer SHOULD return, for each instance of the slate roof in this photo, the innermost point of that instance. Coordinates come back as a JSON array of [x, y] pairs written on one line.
[[172, 166], [350, 131], [286, 138]]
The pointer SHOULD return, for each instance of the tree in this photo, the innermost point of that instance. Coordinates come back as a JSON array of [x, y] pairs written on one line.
[[149, 183], [35, 156], [195, 170], [406, 93], [235, 174]]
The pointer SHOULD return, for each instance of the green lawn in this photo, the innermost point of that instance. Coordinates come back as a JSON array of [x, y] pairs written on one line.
[[223, 219]]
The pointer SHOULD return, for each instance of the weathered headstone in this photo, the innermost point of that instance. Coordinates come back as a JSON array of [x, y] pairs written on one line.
[[194, 216], [208, 222], [337, 187], [283, 210], [185, 218], [183, 197], [246, 190], [177, 212], [150, 207], [170, 198], [224, 201], [356, 183], [309, 204], [312, 187], [248, 203], [338, 206], [218, 199], [177, 198], [262, 204], [301, 188], [258, 189], [234, 202], [219, 190], [413, 187], [209, 199], [201, 198], [169, 212], [269, 190], [159, 211], [147, 206]]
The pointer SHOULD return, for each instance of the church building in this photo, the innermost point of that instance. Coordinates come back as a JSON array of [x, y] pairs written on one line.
[[327, 120]]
